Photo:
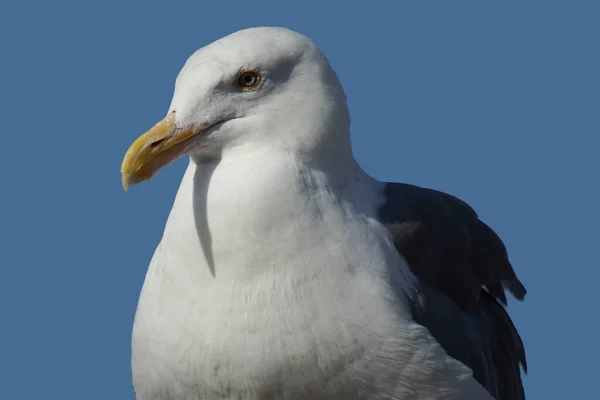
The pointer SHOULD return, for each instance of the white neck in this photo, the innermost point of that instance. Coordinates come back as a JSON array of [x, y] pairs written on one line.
[[226, 207], [261, 230]]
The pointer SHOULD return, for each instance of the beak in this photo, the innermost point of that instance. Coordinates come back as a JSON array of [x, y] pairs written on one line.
[[155, 149]]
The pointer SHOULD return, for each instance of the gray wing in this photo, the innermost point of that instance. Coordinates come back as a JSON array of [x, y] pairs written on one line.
[[463, 269]]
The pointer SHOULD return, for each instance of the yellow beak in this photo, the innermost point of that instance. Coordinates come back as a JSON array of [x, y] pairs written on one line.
[[155, 149]]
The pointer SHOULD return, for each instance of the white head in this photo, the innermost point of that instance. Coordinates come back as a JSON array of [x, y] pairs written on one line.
[[259, 86]]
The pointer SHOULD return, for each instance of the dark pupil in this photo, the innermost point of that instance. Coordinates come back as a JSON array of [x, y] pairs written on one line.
[[248, 79]]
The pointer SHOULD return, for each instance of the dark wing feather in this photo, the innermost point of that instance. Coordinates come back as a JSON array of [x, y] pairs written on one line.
[[463, 269]]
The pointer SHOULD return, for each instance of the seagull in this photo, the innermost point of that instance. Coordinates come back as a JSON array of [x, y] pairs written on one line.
[[286, 272]]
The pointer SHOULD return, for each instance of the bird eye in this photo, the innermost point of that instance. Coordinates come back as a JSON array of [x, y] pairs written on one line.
[[247, 79]]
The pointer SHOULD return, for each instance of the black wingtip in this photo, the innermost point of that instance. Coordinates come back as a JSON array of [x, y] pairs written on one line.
[[517, 289], [497, 291], [524, 366]]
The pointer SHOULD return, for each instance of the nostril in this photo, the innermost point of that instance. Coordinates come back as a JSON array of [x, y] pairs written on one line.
[[159, 141]]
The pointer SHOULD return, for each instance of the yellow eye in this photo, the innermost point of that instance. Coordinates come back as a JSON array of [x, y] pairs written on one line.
[[247, 79]]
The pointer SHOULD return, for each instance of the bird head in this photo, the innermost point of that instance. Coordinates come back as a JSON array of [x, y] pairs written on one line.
[[269, 87]]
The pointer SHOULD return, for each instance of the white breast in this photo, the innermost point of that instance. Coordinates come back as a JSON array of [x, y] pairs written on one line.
[[260, 290]]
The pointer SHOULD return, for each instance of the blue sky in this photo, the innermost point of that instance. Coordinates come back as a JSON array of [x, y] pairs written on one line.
[[495, 102]]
